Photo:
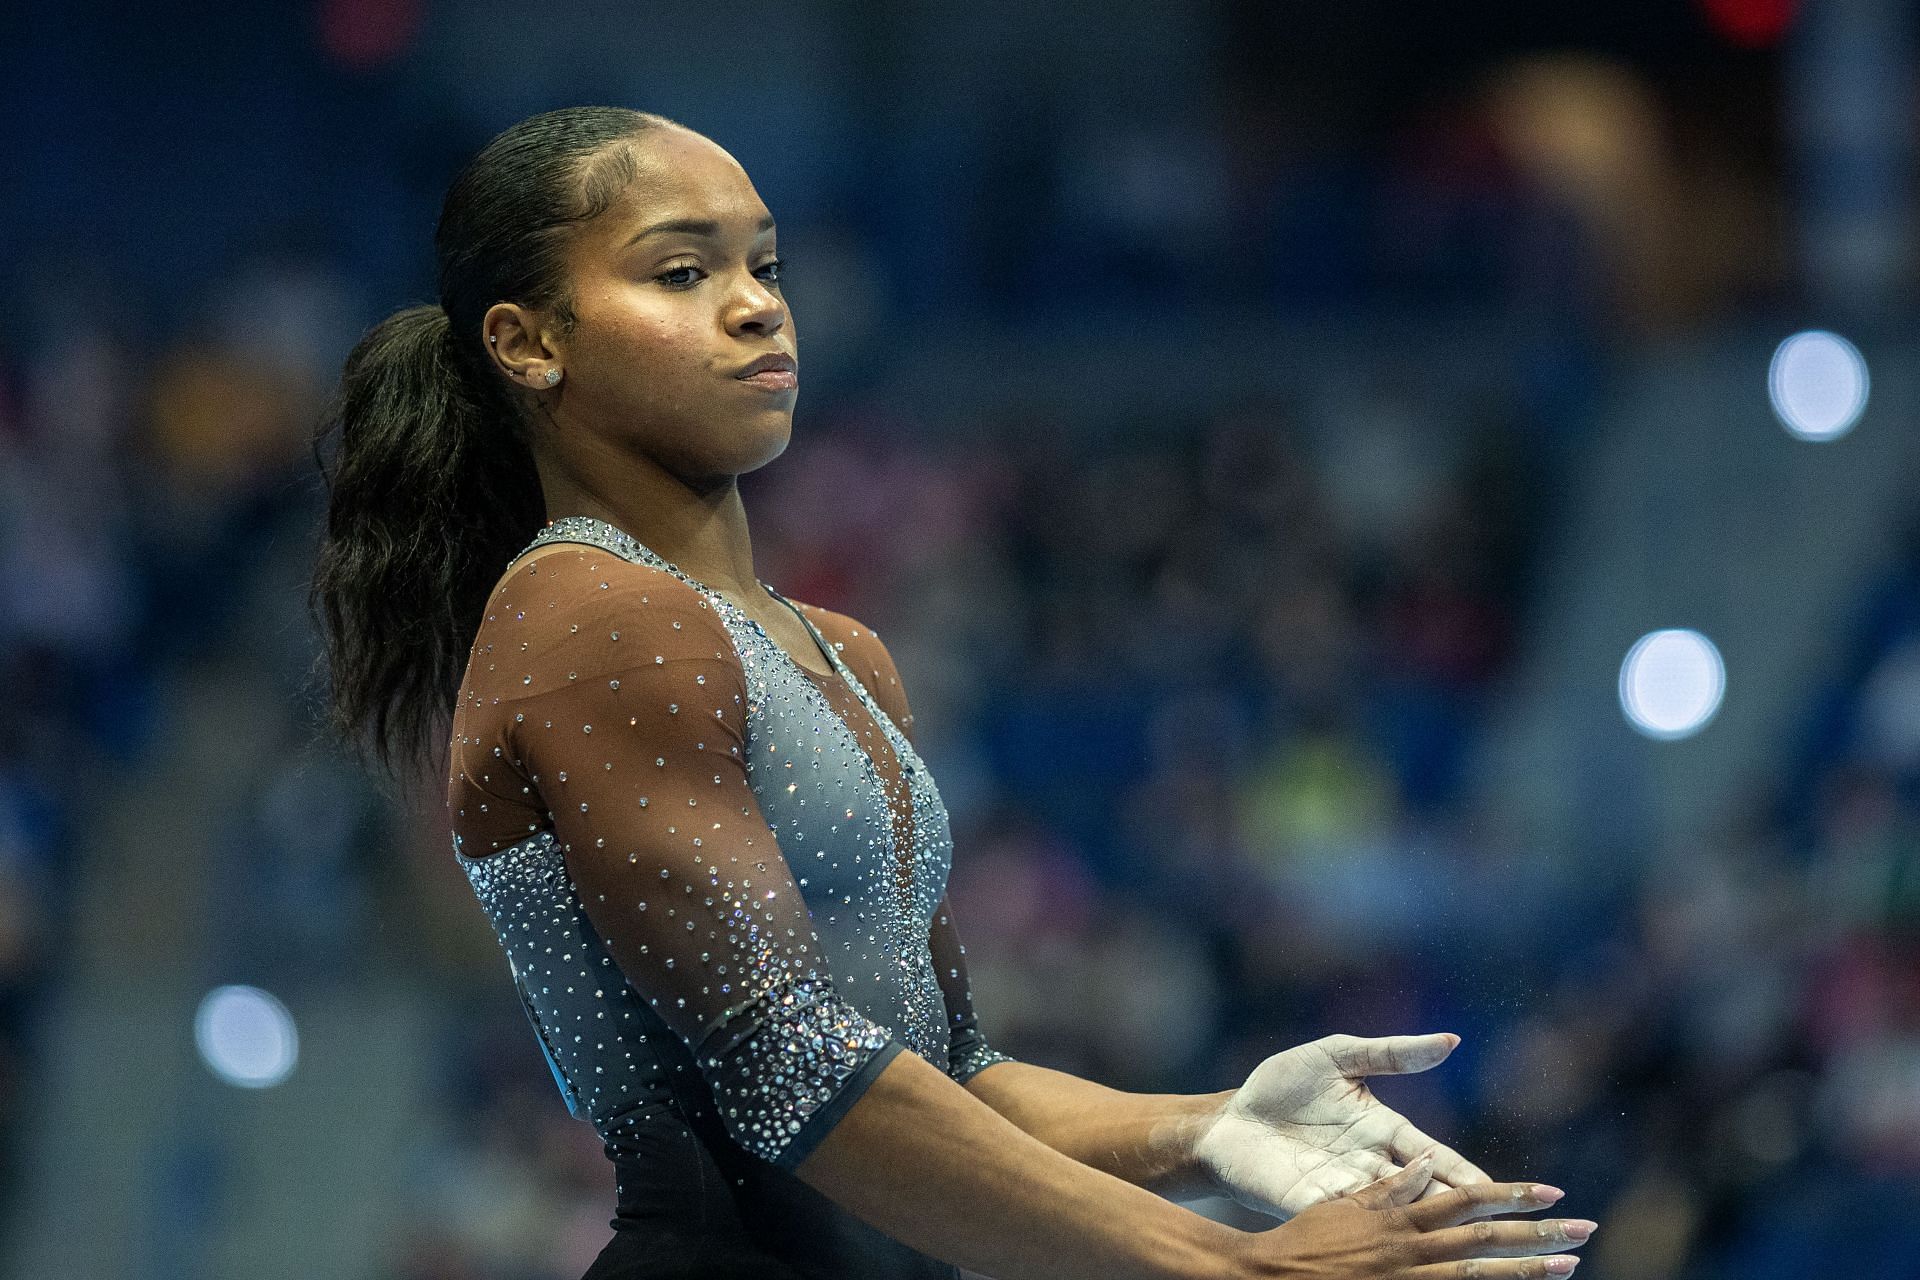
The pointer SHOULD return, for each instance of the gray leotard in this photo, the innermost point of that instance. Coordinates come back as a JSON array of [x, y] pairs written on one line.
[[719, 877]]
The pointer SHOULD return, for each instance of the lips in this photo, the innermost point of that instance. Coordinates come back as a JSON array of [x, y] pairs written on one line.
[[778, 361], [773, 371], [773, 379]]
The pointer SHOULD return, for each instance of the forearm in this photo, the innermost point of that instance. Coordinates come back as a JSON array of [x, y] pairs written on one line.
[[1143, 1138], [921, 1160]]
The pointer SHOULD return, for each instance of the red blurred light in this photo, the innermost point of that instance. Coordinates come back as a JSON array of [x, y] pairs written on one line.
[[363, 34], [1752, 24]]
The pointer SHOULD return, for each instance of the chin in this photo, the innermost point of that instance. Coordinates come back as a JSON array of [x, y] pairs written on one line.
[[766, 442]]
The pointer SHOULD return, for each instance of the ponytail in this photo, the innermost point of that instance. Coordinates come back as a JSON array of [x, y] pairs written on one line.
[[432, 492]]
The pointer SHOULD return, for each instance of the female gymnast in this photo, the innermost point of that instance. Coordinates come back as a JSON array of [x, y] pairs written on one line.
[[692, 809]]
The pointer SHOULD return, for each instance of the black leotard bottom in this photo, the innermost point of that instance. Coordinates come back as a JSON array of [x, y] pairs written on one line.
[[684, 1214]]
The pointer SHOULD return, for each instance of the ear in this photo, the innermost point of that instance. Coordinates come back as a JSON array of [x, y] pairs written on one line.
[[516, 343]]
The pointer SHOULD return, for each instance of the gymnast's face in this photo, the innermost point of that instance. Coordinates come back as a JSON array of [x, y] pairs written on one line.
[[667, 315]]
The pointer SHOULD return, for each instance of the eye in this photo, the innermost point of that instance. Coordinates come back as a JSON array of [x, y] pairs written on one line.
[[668, 277]]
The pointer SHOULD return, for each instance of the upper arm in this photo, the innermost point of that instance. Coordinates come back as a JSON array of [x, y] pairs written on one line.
[[968, 1052], [630, 722]]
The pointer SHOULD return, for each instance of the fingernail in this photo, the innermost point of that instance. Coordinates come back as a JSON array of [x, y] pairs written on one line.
[[1541, 1191], [1579, 1228], [1560, 1266]]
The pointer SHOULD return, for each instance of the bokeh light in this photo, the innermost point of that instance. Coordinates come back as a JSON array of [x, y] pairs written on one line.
[[246, 1036], [1751, 24], [1818, 385], [1671, 683]]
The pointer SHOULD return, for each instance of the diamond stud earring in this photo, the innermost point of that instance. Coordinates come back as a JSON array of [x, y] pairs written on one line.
[[553, 376]]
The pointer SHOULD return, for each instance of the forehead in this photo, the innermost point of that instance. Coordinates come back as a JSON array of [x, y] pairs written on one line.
[[681, 175]]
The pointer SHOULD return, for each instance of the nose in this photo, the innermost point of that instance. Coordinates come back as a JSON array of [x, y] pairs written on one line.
[[756, 308]]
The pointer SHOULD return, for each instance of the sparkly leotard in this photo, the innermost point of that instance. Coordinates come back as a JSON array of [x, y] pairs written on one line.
[[719, 877]]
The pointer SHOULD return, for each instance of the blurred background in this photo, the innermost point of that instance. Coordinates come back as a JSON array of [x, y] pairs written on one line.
[[1392, 518]]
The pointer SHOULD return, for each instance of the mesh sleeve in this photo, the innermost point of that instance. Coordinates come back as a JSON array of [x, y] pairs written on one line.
[[968, 1052], [626, 713]]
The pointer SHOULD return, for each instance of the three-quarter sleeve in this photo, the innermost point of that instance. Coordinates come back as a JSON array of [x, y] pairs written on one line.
[[626, 708], [968, 1052]]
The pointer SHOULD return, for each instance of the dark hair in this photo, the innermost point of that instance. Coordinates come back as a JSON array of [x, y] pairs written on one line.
[[433, 488]]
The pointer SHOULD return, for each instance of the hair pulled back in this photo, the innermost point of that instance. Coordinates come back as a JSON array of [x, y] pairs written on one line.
[[432, 488]]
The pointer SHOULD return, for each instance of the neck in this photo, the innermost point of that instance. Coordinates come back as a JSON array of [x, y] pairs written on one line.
[[702, 529]]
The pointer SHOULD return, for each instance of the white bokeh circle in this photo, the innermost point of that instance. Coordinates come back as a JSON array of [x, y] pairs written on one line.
[[1671, 683]]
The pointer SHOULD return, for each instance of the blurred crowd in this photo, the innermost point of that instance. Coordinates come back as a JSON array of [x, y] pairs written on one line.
[[1203, 698]]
